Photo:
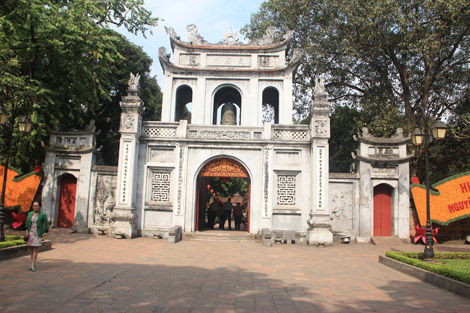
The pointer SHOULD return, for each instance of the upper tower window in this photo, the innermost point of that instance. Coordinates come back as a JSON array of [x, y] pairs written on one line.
[[227, 107], [184, 98], [270, 107]]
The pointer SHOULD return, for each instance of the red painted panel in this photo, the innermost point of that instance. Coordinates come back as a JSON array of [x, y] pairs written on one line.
[[68, 189], [249, 207], [197, 205], [382, 210]]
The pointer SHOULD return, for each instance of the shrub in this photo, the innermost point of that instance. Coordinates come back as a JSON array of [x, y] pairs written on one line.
[[11, 241], [416, 259]]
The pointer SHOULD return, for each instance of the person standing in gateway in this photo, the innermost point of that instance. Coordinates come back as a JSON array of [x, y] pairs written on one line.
[[237, 214], [228, 207], [212, 213]]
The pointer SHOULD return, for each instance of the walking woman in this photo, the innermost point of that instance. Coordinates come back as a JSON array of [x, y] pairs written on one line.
[[36, 228]]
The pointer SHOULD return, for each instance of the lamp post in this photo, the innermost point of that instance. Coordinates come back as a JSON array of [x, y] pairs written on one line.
[[438, 131], [24, 125]]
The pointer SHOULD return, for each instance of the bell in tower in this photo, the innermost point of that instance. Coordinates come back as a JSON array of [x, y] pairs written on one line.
[[229, 114]]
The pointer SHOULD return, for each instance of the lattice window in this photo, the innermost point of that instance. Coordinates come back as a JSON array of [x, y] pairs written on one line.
[[291, 134], [158, 132], [160, 187], [286, 189]]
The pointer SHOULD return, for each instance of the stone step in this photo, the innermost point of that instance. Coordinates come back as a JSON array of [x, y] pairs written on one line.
[[387, 241], [220, 235]]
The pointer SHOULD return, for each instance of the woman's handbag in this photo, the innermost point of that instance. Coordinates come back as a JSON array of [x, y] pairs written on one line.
[[25, 238]]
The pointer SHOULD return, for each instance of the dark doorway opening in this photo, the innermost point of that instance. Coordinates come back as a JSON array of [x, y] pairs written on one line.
[[218, 181]]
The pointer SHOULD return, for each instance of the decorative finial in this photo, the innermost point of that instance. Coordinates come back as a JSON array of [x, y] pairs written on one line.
[[134, 81], [230, 38], [319, 87]]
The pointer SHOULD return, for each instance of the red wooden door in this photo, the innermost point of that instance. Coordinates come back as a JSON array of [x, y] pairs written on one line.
[[68, 189], [382, 210]]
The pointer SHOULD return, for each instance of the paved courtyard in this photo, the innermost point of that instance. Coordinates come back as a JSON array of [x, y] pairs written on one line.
[[85, 273]]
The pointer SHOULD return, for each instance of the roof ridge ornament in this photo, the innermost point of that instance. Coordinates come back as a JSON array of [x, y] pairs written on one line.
[[163, 54], [268, 37], [193, 36], [231, 38], [296, 55], [171, 31]]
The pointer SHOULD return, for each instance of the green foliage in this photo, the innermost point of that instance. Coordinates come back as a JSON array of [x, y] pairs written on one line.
[[390, 59], [345, 122], [230, 187], [386, 53], [67, 67], [107, 114], [344, 125], [456, 270], [12, 241]]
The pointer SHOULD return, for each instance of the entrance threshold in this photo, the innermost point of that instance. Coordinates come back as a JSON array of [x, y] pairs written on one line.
[[221, 235], [386, 241]]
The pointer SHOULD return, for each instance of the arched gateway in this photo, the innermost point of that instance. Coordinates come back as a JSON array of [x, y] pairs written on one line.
[[223, 168]]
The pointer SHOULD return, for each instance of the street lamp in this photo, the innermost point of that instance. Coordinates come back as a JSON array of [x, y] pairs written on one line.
[[24, 126], [438, 132]]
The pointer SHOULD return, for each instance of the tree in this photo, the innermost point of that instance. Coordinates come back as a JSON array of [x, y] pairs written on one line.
[[341, 142], [229, 187], [394, 56], [107, 115], [65, 51], [393, 60]]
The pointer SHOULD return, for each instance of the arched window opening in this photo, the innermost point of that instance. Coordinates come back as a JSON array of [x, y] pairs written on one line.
[[183, 108], [270, 107], [227, 107]]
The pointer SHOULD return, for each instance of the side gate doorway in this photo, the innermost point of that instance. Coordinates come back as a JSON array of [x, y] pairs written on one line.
[[68, 190], [219, 180], [383, 210]]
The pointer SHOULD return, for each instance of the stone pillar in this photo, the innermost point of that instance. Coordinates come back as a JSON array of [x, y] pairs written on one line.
[[124, 215], [319, 231]]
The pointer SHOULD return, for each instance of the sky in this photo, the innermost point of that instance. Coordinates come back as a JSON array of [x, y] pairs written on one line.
[[212, 17]]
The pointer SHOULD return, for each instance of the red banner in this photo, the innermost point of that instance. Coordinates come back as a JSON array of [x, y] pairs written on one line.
[[449, 199]]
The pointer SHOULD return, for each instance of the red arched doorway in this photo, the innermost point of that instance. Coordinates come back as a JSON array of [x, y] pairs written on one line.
[[383, 210], [68, 189], [223, 169]]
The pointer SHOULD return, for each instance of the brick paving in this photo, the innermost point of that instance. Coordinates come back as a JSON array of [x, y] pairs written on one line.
[[85, 273]]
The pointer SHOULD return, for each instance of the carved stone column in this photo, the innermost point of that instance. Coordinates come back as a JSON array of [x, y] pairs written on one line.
[[124, 215], [319, 231]]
